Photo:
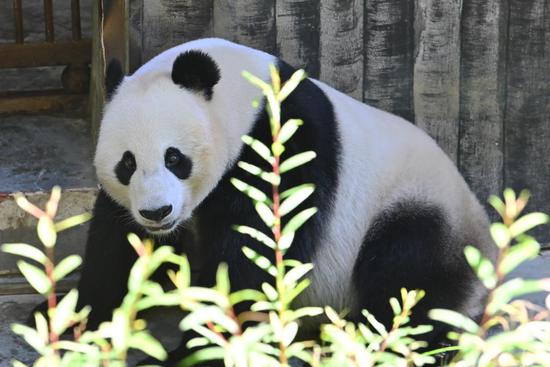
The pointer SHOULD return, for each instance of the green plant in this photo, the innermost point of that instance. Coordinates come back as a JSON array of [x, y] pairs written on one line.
[[512, 332], [109, 344]]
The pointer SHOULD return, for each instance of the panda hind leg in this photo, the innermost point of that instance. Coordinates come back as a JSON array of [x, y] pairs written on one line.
[[409, 246]]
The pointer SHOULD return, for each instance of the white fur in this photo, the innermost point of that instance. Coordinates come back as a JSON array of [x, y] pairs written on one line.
[[385, 159]]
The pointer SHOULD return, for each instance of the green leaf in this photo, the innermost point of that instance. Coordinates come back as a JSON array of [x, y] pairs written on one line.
[[35, 276], [513, 288], [269, 177], [289, 333], [41, 326], [527, 222], [143, 341], [291, 84], [256, 234], [455, 319], [31, 336], [298, 220], [288, 130], [377, 325], [270, 292], [305, 311], [296, 199], [286, 241], [264, 211], [293, 293], [222, 279], [66, 266], [482, 266], [296, 161], [259, 147], [72, 221], [519, 253], [203, 355], [498, 205], [64, 312], [28, 251], [46, 231], [249, 190], [297, 273], [207, 314], [395, 306], [261, 261], [246, 295], [500, 235]]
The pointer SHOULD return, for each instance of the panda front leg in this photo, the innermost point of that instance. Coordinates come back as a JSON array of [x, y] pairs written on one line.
[[107, 260]]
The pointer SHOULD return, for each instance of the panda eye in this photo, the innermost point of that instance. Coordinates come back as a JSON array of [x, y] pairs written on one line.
[[178, 163], [130, 163], [125, 168], [171, 159]]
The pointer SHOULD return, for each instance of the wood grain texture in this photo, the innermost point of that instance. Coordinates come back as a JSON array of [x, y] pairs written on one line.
[[482, 87], [168, 23], [249, 22], [298, 33], [436, 70], [341, 58], [389, 48], [527, 123]]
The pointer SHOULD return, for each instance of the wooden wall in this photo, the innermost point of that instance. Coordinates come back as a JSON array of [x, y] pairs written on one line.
[[475, 74]]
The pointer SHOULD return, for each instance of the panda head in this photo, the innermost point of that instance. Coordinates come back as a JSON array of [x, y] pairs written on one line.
[[157, 153]]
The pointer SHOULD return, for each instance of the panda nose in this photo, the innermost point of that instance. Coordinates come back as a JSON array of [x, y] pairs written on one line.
[[156, 214]]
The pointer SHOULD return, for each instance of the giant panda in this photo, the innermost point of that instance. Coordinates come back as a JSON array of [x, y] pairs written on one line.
[[393, 209]]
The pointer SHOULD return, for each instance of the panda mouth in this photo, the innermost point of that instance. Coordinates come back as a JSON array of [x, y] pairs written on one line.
[[161, 228]]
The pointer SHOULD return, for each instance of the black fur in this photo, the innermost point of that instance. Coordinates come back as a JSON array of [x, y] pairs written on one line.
[[125, 168], [179, 164], [409, 246], [197, 71], [113, 77]]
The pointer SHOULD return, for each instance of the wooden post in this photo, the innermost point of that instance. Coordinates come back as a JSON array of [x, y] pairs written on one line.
[[482, 88], [341, 45], [48, 20], [298, 34], [75, 20], [18, 17], [527, 122], [389, 49], [250, 22], [436, 71]]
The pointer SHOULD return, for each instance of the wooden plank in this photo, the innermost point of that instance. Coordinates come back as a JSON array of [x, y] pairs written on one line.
[[298, 34], [389, 48], [527, 122], [482, 88], [436, 70], [45, 54], [40, 101], [341, 45], [168, 23], [249, 22]]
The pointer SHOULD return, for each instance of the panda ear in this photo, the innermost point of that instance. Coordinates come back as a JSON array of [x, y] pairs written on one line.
[[113, 77], [197, 71]]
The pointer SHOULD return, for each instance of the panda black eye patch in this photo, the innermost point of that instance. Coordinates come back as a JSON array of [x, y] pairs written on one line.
[[126, 167], [179, 164]]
